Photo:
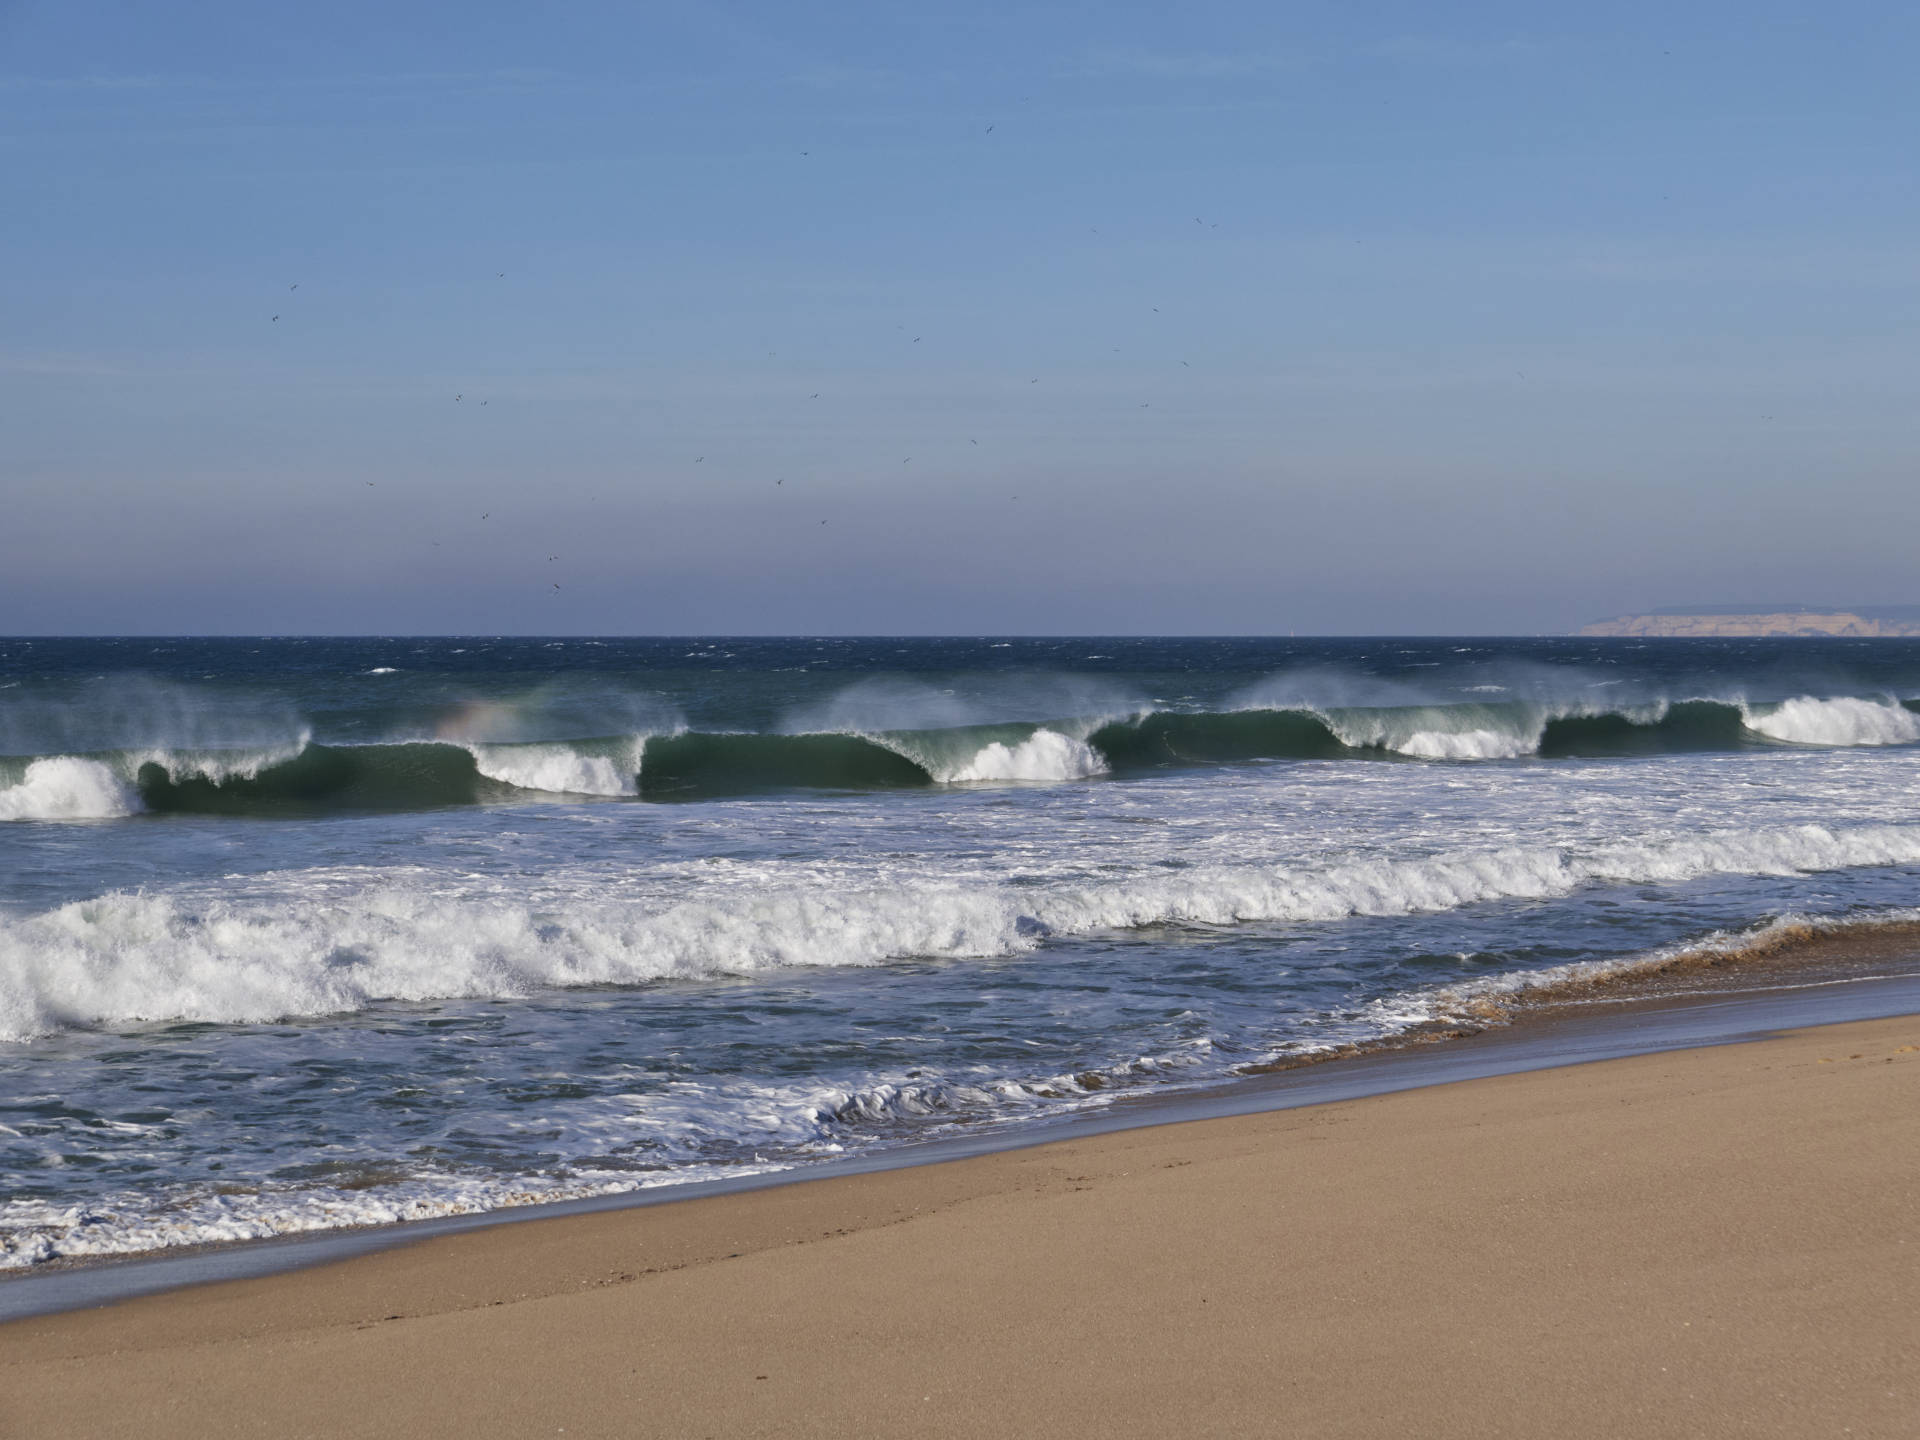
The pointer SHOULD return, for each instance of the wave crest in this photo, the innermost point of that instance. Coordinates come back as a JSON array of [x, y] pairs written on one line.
[[138, 957], [301, 775], [1045, 755], [564, 769], [67, 787], [1843, 721]]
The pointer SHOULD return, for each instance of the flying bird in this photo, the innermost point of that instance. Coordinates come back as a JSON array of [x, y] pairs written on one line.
[[972, 441], [276, 317], [293, 287], [989, 129], [485, 513]]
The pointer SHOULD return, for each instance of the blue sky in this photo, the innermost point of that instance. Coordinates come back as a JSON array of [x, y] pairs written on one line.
[[1336, 318]]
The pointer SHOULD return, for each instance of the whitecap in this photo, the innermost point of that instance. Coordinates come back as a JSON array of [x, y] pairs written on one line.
[[145, 956], [66, 787], [562, 769], [1045, 755], [1843, 721]]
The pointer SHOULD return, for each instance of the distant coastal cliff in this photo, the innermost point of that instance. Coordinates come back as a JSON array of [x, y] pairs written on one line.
[[1757, 623]]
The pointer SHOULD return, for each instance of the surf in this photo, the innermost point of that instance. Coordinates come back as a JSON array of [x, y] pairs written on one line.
[[135, 957], [304, 776]]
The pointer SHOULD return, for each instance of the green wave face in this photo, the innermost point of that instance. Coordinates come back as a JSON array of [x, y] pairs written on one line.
[[430, 774], [1689, 726], [1169, 738], [693, 766], [420, 776]]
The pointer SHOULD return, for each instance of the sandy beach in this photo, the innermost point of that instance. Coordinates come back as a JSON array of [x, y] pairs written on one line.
[[1707, 1242]]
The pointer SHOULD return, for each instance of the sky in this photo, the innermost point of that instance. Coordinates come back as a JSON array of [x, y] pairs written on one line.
[[1217, 318]]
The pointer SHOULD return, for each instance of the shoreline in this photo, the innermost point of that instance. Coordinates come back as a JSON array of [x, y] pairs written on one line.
[[1702, 1241], [1760, 983]]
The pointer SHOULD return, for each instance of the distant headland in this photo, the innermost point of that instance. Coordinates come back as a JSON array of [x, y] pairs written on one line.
[[1764, 620]]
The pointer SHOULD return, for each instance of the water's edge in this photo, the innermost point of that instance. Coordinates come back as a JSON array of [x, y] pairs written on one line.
[[1552, 1038]]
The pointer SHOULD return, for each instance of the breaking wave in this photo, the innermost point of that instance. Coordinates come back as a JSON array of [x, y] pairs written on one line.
[[1802, 949], [612, 768], [303, 776], [1802, 937], [64, 787], [708, 1135], [428, 774], [1845, 721], [136, 957], [1044, 755]]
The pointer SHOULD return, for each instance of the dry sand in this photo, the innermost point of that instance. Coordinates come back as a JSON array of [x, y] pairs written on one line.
[[1712, 1242]]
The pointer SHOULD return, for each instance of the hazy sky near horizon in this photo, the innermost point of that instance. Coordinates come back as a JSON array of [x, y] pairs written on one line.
[[1057, 318]]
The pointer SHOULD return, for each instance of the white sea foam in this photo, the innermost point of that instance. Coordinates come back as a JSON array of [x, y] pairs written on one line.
[[128, 957], [34, 1231], [1442, 732], [798, 1122], [563, 769], [1467, 745], [66, 787], [1044, 755], [801, 1122], [1842, 721]]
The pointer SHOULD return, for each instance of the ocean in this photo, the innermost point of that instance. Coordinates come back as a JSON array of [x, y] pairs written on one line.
[[298, 934]]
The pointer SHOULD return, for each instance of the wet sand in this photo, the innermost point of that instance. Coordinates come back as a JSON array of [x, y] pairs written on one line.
[[1720, 1241]]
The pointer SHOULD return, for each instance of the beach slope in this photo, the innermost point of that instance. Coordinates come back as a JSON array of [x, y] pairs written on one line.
[[1723, 1241]]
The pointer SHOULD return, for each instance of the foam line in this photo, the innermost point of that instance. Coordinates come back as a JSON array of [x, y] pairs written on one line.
[[130, 957]]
